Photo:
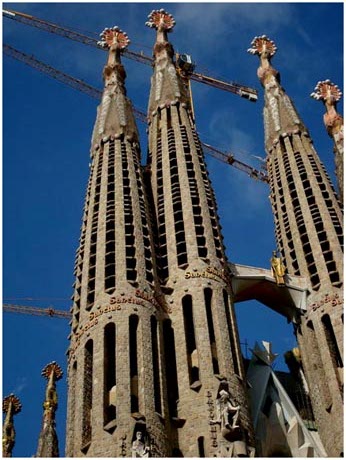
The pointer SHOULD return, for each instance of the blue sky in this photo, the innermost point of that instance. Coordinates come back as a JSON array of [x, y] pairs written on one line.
[[46, 140]]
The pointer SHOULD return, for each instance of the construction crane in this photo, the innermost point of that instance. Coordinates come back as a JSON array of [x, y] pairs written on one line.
[[37, 311], [181, 62], [96, 93]]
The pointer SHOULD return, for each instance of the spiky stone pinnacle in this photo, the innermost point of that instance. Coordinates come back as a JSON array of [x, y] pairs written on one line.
[[112, 36]]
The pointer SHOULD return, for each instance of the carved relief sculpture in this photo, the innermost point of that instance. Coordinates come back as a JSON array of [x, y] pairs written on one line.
[[139, 449]]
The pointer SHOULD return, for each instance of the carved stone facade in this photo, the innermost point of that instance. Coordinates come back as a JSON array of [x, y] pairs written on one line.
[[309, 232]]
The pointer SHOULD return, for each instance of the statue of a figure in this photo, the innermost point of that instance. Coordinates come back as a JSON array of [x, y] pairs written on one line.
[[227, 412], [278, 269], [139, 449]]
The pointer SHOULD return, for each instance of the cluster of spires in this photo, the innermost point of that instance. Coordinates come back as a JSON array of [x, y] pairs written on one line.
[[48, 441], [325, 90]]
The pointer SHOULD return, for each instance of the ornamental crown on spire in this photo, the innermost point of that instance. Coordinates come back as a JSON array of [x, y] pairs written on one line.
[[326, 90], [261, 45], [114, 36], [14, 402], [161, 20], [52, 367]]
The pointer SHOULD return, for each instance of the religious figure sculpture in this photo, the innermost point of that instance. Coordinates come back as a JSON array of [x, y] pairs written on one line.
[[227, 411], [278, 269], [139, 449]]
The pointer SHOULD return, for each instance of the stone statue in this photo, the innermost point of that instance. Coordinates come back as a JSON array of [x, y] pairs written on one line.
[[278, 269], [227, 411], [139, 449]]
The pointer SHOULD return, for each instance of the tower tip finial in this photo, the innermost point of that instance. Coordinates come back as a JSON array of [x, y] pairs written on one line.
[[52, 367], [14, 401], [114, 37], [326, 90], [161, 20], [262, 44]]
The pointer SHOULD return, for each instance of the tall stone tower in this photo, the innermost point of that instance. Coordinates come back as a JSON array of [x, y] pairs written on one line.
[[204, 370], [309, 233], [114, 378]]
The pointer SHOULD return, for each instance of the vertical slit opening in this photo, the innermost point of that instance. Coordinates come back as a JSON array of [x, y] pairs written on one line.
[[201, 450], [109, 373], [170, 367], [156, 368], [230, 333], [133, 326], [191, 348], [332, 342], [208, 300], [87, 394]]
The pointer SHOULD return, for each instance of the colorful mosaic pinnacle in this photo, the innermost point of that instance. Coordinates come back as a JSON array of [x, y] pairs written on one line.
[[52, 367], [12, 401], [114, 36], [160, 19], [326, 90], [262, 44]]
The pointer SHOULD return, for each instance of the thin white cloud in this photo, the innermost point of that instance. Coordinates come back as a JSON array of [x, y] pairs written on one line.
[[21, 383]]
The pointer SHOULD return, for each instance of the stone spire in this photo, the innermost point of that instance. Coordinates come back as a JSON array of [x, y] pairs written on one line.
[[115, 116], [309, 233], [203, 358], [166, 86], [114, 384], [330, 94], [280, 115], [48, 440], [10, 406]]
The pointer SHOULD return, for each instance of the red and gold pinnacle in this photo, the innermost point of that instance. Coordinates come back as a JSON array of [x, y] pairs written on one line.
[[330, 95]]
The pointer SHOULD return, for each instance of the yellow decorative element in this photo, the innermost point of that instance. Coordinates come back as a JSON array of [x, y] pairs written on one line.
[[278, 269]]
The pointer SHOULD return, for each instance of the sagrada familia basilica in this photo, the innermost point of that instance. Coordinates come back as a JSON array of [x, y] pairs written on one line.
[[154, 364]]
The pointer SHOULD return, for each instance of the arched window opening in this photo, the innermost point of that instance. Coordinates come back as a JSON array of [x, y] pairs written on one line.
[[133, 326], [208, 300], [170, 367], [109, 376], [87, 395], [332, 342], [191, 348], [231, 334], [201, 450], [156, 365]]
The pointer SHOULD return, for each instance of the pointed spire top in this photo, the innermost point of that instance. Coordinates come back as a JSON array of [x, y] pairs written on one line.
[[263, 46], [327, 91], [161, 20], [114, 37]]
